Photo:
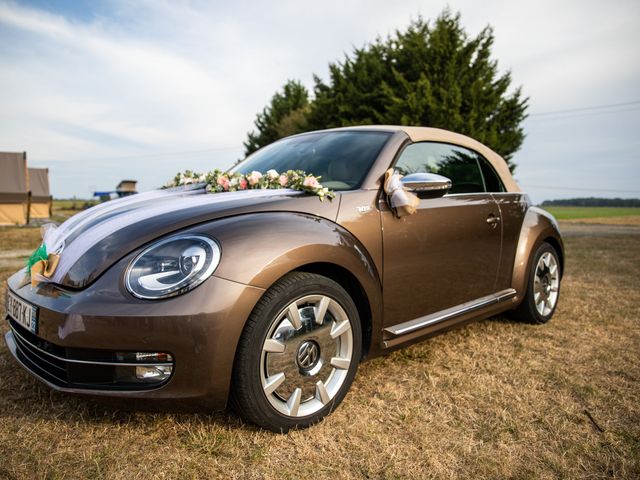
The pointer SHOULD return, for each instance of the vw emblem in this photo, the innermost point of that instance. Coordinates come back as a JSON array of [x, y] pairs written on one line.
[[308, 354]]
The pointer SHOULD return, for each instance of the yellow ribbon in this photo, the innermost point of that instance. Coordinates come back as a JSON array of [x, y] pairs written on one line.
[[42, 270]]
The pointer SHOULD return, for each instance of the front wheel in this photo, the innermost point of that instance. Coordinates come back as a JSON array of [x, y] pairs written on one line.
[[543, 288], [298, 353]]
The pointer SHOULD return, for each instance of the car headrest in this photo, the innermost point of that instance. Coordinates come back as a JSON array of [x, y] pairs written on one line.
[[339, 170]]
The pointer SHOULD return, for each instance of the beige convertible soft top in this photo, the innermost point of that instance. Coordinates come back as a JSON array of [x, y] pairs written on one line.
[[426, 134]]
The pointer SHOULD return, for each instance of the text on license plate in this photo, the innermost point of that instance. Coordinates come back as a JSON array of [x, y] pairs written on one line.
[[22, 312]]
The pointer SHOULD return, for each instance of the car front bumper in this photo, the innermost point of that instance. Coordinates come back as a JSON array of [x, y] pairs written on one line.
[[199, 329]]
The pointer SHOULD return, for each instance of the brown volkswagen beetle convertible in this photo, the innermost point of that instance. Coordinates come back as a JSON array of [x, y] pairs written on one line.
[[269, 299]]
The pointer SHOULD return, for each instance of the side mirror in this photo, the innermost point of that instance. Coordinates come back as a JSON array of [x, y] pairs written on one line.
[[430, 183]]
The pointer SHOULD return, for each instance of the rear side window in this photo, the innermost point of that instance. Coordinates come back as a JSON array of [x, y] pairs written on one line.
[[492, 181], [458, 164]]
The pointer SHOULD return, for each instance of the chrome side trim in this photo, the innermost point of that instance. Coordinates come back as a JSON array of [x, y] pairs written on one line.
[[21, 339], [449, 313], [507, 294]]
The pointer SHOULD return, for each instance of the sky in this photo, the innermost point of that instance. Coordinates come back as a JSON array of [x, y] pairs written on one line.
[[102, 90]]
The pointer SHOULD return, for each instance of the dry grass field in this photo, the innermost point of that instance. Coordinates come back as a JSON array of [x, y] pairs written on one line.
[[495, 399], [633, 220]]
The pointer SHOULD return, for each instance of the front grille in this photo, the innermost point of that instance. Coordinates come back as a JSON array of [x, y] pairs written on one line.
[[77, 368]]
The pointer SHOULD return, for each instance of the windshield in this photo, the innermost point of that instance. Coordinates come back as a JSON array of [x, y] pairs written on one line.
[[342, 159]]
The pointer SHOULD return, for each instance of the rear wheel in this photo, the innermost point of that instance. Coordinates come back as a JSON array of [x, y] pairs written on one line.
[[298, 354], [543, 289]]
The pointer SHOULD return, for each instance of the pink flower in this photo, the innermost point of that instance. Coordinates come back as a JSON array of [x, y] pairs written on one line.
[[243, 184], [311, 182], [283, 180], [223, 181], [254, 177]]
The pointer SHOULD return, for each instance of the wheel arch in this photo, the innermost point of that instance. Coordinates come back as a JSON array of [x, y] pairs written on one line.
[[259, 249], [354, 288], [556, 244], [538, 226]]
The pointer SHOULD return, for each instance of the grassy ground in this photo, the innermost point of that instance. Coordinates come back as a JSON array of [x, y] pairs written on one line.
[[571, 213], [63, 209], [71, 204], [496, 399], [29, 237], [19, 238]]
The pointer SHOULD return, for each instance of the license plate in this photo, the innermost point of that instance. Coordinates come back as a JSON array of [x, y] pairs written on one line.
[[22, 312]]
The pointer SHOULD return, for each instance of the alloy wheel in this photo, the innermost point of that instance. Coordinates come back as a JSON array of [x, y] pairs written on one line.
[[546, 283], [306, 355]]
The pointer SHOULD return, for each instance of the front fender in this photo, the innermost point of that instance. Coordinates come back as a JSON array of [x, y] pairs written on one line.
[[538, 226], [258, 249]]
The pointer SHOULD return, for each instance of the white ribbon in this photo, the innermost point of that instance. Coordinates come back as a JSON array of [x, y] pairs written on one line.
[[55, 240], [402, 201], [140, 210]]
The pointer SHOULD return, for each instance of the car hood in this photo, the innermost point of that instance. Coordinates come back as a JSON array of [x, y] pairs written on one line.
[[93, 240]]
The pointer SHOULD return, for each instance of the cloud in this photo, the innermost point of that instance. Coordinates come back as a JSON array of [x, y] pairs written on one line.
[[105, 90], [93, 73]]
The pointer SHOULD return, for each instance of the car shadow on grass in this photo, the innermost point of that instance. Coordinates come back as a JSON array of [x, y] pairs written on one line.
[[24, 398]]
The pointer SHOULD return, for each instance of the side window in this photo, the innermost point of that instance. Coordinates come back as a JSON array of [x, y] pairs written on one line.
[[491, 180], [458, 164]]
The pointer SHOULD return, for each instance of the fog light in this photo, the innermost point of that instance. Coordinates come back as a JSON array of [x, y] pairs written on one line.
[[146, 368], [154, 373]]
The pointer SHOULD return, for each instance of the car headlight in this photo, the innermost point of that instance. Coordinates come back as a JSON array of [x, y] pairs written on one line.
[[172, 266]]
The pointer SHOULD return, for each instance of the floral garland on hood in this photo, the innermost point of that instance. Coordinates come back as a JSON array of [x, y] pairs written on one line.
[[218, 181]]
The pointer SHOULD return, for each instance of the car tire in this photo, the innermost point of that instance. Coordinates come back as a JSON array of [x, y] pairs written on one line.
[[543, 287], [298, 353]]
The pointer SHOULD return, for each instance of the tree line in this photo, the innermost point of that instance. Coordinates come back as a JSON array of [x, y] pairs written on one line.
[[593, 202]]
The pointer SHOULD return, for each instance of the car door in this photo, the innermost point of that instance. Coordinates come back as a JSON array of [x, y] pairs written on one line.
[[513, 207], [448, 252]]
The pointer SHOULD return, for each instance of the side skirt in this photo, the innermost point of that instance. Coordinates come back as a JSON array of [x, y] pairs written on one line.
[[411, 329]]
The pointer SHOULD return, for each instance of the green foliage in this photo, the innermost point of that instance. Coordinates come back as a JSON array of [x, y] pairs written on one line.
[[428, 75], [571, 213], [285, 115]]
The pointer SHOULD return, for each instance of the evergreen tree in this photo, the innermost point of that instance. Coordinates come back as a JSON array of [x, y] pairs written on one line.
[[429, 75], [285, 115]]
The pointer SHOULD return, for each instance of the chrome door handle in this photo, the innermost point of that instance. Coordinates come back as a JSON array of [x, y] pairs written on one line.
[[493, 220]]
